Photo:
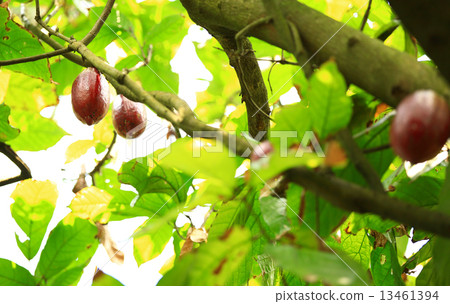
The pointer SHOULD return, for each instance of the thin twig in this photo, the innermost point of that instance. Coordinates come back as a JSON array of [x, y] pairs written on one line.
[[281, 61], [376, 149], [49, 8], [268, 77], [366, 16], [178, 232], [52, 14], [98, 25], [143, 63], [105, 158], [36, 57]]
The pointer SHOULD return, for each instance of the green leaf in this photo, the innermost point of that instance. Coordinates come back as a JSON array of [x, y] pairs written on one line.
[[246, 269], [423, 191], [320, 215], [425, 253], [279, 80], [357, 221], [197, 160], [37, 133], [157, 74], [213, 263], [225, 218], [106, 179], [12, 274], [294, 195], [155, 180], [126, 204], [427, 276], [153, 204], [281, 160], [273, 210], [34, 203], [6, 131], [441, 248], [385, 268], [68, 277], [357, 247], [312, 265], [167, 30], [17, 42], [29, 94], [64, 73], [67, 242], [291, 118], [330, 107], [150, 245]]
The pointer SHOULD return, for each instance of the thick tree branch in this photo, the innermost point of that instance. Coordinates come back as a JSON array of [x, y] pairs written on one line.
[[254, 92], [352, 197], [12, 155], [430, 24], [380, 70]]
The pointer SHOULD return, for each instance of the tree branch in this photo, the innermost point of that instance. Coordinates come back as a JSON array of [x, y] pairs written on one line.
[[184, 117], [352, 197], [12, 155], [430, 24], [34, 58], [366, 16], [98, 25], [366, 62], [360, 161], [253, 89], [105, 158]]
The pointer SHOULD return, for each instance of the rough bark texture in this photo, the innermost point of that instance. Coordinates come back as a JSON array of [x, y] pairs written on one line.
[[254, 92], [380, 70]]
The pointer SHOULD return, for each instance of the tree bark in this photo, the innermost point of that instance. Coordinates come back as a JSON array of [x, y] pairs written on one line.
[[429, 22], [380, 70]]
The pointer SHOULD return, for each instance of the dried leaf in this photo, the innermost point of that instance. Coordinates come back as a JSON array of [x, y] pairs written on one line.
[[81, 182], [198, 235], [110, 246]]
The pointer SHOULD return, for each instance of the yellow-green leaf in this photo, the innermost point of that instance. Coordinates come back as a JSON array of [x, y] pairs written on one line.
[[90, 202], [77, 149], [104, 130], [34, 203]]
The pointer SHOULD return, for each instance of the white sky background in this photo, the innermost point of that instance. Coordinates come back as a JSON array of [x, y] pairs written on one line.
[[49, 164]]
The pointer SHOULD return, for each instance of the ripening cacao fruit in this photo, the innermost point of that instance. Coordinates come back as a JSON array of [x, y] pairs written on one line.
[[421, 126], [129, 117], [90, 96]]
